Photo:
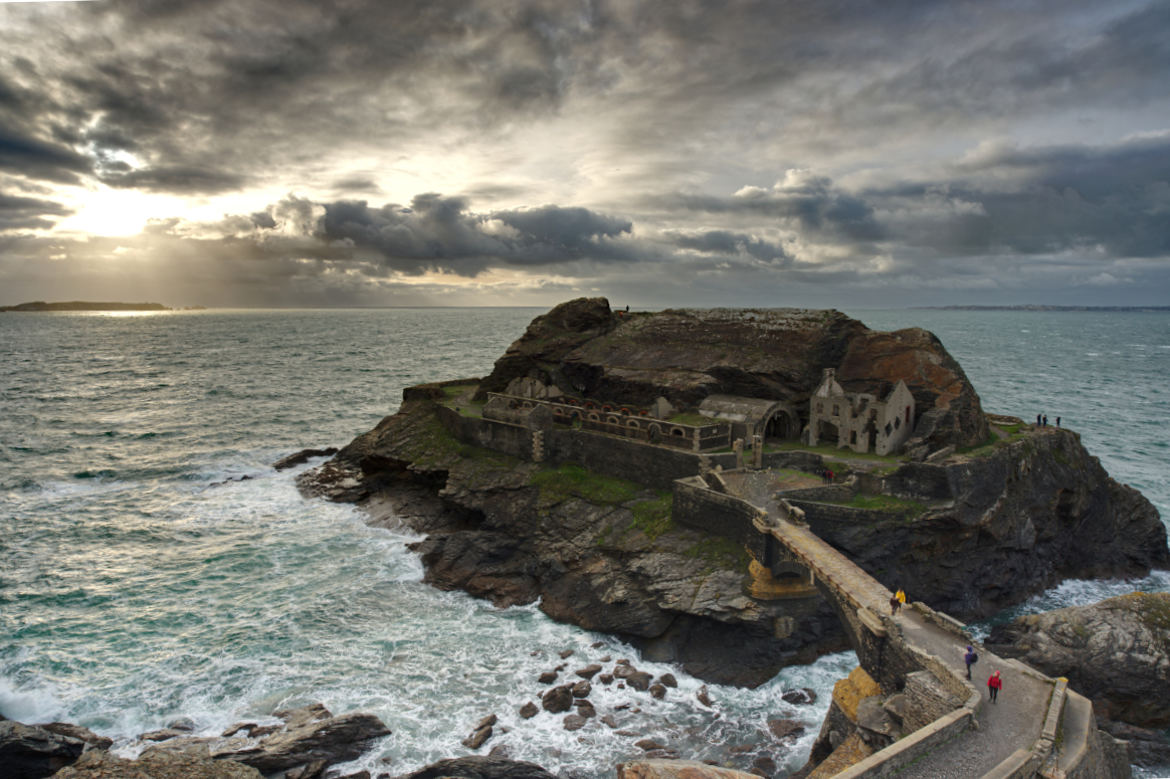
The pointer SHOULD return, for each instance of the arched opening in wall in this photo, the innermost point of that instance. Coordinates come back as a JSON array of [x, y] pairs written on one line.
[[678, 431], [778, 427], [575, 419], [654, 433], [870, 435], [827, 433], [594, 416], [612, 420], [633, 424]]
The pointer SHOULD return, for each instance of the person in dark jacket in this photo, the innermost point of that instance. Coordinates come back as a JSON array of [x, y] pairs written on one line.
[[969, 658], [994, 685]]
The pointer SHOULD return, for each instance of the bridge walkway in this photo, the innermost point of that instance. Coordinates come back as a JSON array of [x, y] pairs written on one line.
[[1013, 723]]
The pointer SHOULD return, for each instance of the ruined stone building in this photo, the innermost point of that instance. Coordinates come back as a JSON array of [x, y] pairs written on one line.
[[858, 420]]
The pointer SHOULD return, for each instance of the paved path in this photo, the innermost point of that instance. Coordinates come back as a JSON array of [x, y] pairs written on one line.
[[1014, 722]]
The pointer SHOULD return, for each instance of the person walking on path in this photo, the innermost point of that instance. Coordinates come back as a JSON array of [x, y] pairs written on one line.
[[970, 658], [897, 601], [994, 685]]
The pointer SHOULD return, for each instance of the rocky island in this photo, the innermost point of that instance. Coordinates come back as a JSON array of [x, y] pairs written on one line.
[[83, 305], [552, 478]]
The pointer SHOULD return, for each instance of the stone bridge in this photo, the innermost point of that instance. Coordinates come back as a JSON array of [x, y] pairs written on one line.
[[1038, 727]]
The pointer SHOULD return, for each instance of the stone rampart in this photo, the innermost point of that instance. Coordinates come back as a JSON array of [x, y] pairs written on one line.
[[623, 458], [697, 506]]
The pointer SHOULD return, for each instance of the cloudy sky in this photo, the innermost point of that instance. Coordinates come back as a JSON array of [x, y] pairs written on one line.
[[511, 152]]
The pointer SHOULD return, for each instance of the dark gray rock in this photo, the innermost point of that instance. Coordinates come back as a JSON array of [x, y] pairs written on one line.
[[558, 699], [548, 677], [639, 680], [303, 456], [658, 690], [310, 735], [582, 689], [29, 752], [589, 671], [476, 767], [574, 722], [478, 736], [668, 680], [91, 739], [529, 710], [804, 695], [785, 728], [99, 764]]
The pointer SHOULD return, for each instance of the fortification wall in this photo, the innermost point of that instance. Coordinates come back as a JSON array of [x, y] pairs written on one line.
[[654, 466], [703, 509]]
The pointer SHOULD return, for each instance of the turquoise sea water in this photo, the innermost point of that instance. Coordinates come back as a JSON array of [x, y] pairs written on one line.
[[143, 577]]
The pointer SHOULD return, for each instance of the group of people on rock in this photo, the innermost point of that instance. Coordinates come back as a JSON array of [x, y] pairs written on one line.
[[1042, 420]]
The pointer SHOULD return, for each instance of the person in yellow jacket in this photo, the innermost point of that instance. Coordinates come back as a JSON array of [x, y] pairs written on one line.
[[898, 600]]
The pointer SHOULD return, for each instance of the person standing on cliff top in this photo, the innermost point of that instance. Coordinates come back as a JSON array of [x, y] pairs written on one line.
[[994, 685]]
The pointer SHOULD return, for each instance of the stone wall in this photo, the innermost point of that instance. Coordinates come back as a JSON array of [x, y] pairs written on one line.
[[700, 508], [921, 481], [653, 466]]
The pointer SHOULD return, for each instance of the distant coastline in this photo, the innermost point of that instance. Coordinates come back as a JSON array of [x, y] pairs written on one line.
[[83, 305], [1034, 307]]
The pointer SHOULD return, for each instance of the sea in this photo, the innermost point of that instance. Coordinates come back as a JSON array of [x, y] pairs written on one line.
[[154, 566]]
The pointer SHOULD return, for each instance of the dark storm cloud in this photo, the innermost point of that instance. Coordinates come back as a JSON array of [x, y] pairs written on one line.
[[1113, 200], [809, 204], [177, 180], [38, 159], [441, 233], [729, 243], [27, 213]]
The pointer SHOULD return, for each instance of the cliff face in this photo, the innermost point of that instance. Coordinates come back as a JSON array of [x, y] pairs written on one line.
[[1003, 524], [685, 355]]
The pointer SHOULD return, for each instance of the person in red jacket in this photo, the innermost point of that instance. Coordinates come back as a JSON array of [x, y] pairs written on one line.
[[994, 685]]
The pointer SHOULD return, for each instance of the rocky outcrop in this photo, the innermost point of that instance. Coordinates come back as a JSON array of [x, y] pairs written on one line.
[[684, 355], [475, 767], [309, 736], [676, 769], [30, 752], [158, 765], [1116, 652], [1001, 524]]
